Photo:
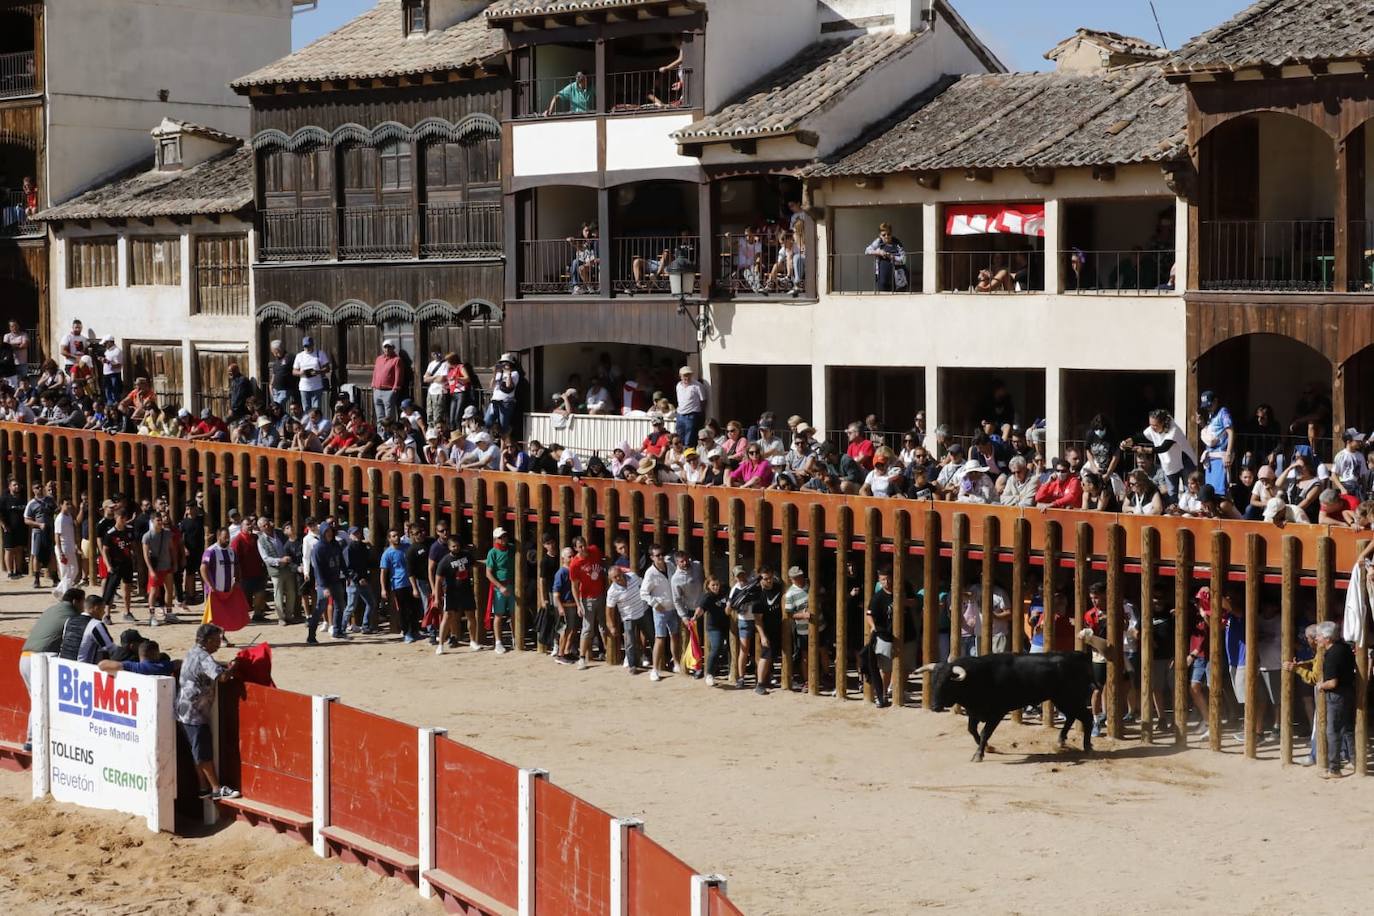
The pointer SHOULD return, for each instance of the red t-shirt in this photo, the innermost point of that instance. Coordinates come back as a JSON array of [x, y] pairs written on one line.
[[212, 426], [588, 575], [862, 452], [245, 546]]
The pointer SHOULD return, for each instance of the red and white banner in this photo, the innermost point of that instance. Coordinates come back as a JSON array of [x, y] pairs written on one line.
[[981, 219]]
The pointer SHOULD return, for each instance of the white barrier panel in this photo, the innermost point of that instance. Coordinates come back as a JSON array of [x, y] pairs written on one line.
[[110, 741]]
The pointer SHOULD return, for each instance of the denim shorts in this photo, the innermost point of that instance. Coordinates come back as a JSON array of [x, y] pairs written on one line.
[[1199, 675], [746, 629], [665, 624], [199, 738]]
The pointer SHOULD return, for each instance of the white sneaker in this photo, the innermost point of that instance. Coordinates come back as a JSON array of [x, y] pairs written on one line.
[[581, 664], [473, 646], [655, 676], [501, 648], [625, 662], [710, 680], [439, 649]]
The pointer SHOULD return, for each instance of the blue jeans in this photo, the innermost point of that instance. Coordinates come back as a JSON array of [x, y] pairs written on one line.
[[501, 414], [112, 387], [322, 595], [687, 426], [281, 398], [361, 593], [718, 649], [312, 399], [384, 404], [968, 645]]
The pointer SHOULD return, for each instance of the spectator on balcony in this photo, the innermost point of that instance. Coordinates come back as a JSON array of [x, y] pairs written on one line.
[[1350, 468], [503, 413], [748, 267], [1218, 441], [995, 277], [754, 472], [577, 97], [1063, 490], [1097, 496], [112, 370], [889, 262], [435, 379], [801, 225], [311, 369], [281, 383], [584, 271], [1300, 483], [691, 405], [598, 401], [19, 342], [886, 477], [1169, 444], [241, 392], [973, 485], [210, 428], [1313, 414], [388, 379], [1262, 438], [655, 268], [462, 390], [675, 77], [1333, 511], [785, 266]]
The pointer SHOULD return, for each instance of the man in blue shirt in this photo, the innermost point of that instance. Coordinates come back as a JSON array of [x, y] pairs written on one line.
[[396, 588], [326, 567]]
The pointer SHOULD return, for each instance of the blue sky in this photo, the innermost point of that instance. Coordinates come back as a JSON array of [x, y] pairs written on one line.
[[1020, 32]]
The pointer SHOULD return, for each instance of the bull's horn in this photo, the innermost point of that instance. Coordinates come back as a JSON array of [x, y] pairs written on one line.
[[926, 669], [958, 672]]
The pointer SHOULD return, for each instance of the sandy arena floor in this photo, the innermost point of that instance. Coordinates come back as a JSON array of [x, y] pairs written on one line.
[[808, 805]]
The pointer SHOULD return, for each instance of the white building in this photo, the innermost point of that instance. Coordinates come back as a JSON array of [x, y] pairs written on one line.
[[160, 259]]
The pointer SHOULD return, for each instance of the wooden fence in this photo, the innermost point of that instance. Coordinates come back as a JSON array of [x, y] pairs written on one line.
[[930, 544]]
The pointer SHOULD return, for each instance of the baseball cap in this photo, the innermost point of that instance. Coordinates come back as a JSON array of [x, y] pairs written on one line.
[[469, 411], [795, 572], [738, 571], [307, 341], [498, 533]]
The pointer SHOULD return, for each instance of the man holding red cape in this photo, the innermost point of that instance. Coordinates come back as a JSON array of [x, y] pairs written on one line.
[[226, 606]]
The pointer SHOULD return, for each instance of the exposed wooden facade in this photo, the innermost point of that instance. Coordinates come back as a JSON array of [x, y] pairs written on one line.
[[23, 146]]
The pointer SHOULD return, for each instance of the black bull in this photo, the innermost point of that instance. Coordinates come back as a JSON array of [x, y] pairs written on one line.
[[991, 686]]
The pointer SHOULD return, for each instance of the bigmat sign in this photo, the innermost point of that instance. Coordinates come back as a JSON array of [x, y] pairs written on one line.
[[108, 739]]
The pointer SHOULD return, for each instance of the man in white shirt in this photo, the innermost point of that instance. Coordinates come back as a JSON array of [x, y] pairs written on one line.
[[436, 395], [73, 346], [112, 373], [311, 368], [691, 405], [503, 409], [1349, 467], [624, 597], [657, 592], [68, 554], [19, 343]]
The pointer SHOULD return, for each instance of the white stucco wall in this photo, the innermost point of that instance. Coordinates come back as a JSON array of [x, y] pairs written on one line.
[[149, 314], [747, 38], [643, 142], [553, 147], [107, 60]]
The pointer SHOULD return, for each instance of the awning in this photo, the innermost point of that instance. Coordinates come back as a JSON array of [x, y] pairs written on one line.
[[981, 219]]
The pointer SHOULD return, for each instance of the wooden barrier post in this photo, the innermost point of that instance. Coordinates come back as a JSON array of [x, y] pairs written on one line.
[[522, 585], [930, 600], [1362, 673], [871, 536], [565, 514], [1325, 584], [1216, 639], [355, 490], [1288, 612], [245, 483], [1020, 570], [763, 528], [1112, 694], [425, 804], [684, 523], [480, 536], [1082, 569], [60, 470], [1254, 577], [541, 530], [1183, 602], [262, 484], [900, 547], [991, 541], [814, 534], [843, 541], [297, 507], [526, 820], [787, 557], [957, 584], [734, 533], [96, 493], [1047, 593], [226, 485], [660, 521], [637, 526], [1149, 553]]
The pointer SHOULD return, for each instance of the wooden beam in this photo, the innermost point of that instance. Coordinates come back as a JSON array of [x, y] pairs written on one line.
[[928, 180], [747, 147], [978, 175], [180, 219], [212, 217], [1270, 71], [116, 221], [147, 220], [869, 182], [808, 138], [1104, 173], [692, 150], [1039, 175], [1318, 67]]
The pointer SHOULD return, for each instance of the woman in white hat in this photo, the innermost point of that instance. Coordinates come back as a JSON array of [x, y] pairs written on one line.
[[975, 486]]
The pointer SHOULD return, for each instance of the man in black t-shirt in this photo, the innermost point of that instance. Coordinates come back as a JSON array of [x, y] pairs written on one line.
[[281, 382], [453, 587], [713, 609], [117, 549], [1338, 668], [192, 528], [417, 564], [768, 613], [12, 519]]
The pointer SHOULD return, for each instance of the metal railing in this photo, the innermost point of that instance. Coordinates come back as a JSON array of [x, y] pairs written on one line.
[[1111, 272], [992, 271], [648, 90], [296, 235], [1361, 247], [376, 232], [533, 96], [18, 74], [558, 267], [865, 273], [1267, 254], [459, 230], [641, 262], [15, 216], [748, 265]]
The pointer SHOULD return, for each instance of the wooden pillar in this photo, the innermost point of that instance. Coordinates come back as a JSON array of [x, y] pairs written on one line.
[[684, 523], [871, 535], [763, 530], [843, 541], [1183, 601], [1149, 559], [541, 530], [417, 504], [637, 524], [930, 600], [610, 509], [991, 541], [787, 556], [226, 484], [1020, 571], [900, 525], [355, 491], [1350, 241], [957, 583], [1291, 570], [299, 508], [1325, 585], [1362, 676], [1051, 582], [1114, 691], [376, 490], [245, 483], [136, 488], [813, 601], [522, 585], [1254, 578], [260, 484], [660, 521], [96, 495], [459, 498], [63, 488], [1082, 570], [1216, 639], [565, 513], [480, 536], [734, 532], [708, 536]]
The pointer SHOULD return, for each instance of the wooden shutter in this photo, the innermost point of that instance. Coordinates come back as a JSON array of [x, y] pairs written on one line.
[[222, 275], [212, 378], [92, 262], [155, 261], [161, 364]]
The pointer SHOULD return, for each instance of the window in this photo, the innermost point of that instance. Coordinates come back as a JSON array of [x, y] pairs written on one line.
[[211, 380], [464, 171], [169, 153], [417, 17], [394, 159], [155, 262], [221, 275], [92, 262]]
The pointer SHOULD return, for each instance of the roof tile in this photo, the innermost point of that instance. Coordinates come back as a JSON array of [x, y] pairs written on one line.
[[220, 185], [1278, 32]]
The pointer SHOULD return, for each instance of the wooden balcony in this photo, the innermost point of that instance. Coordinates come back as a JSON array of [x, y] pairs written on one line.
[[382, 233]]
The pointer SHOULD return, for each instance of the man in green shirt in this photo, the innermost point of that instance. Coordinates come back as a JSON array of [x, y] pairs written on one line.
[[46, 636], [500, 575], [578, 95]]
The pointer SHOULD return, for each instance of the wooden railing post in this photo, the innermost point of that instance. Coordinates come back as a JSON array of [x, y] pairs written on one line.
[[991, 541], [226, 485], [900, 525], [522, 546], [1288, 617], [1112, 695], [787, 556], [1362, 673], [930, 600], [1183, 602], [481, 537], [355, 490], [1254, 578], [565, 516], [96, 499], [684, 523], [1216, 638], [541, 530], [1020, 570], [844, 539], [957, 584], [871, 538], [245, 483], [637, 527], [814, 534], [1149, 572], [660, 521], [763, 530], [1082, 569], [1325, 584], [262, 483], [1047, 594], [733, 555]]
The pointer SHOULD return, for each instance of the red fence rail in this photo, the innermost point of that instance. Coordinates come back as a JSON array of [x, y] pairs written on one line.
[[267, 754], [476, 820]]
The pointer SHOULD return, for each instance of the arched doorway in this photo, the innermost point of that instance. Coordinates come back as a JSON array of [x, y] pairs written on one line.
[[1357, 377]]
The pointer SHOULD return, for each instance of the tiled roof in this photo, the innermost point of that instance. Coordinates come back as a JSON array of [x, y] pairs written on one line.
[[374, 45], [220, 185], [173, 125], [779, 102], [1114, 42], [1277, 32], [515, 9], [1012, 120]]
